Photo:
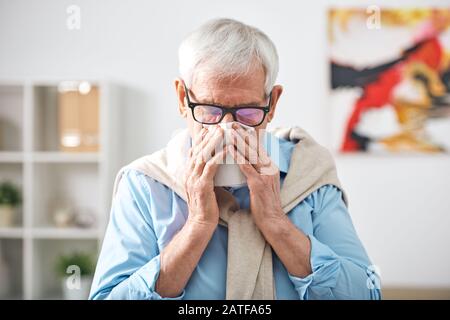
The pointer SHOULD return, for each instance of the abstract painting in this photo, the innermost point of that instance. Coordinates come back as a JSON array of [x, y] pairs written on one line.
[[390, 79]]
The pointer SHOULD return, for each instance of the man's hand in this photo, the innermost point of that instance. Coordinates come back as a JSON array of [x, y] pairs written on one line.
[[182, 254], [199, 179], [263, 178]]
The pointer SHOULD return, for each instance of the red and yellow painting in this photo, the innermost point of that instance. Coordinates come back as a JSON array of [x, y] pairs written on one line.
[[390, 79]]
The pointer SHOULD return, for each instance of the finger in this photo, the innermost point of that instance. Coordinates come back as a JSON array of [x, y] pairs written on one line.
[[192, 151], [247, 169], [211, 166], [249, 135], [211, 142], [269, 170], [216, 144], [262, 152], [199, 148], [199, 162], [198, 167], [189, 167], [195, 163], [212, 145], [190, 161], [249, 151], [199, 137], [265, 164], [263, 160]]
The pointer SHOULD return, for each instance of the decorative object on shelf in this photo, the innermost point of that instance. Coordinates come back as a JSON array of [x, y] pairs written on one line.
[[76, 270], [78, 106], [85, 218], [63, 216], [10, 199]]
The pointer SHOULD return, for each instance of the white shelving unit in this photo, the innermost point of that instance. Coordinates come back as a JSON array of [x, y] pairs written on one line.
[[30, 157]]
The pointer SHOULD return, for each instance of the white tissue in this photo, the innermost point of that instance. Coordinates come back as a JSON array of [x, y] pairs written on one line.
[[229, 174]]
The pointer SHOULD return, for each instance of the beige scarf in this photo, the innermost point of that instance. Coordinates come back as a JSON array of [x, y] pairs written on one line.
[[249, 267]]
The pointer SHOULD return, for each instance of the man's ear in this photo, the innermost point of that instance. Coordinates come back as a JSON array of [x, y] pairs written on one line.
[[276, 93], [181, 95]]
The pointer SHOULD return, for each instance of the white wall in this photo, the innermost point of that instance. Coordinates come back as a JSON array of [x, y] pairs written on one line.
[[400, 205]]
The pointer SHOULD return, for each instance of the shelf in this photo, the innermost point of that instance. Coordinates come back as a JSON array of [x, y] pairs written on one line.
[[11, 157], [50, 233], [64, 233], [55, 179], [50, 157], [65, 157], [11, 233]]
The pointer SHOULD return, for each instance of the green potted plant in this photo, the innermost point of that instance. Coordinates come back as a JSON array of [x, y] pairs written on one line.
[[76, 270], [10, 198]]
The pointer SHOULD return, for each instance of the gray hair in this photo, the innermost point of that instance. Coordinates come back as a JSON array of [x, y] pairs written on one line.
[[226, 47]]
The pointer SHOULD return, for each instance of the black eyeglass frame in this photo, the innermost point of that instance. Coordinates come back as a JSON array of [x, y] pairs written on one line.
[[232, 110]]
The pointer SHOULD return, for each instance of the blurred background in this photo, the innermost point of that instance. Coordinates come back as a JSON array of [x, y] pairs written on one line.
[[87, 86]]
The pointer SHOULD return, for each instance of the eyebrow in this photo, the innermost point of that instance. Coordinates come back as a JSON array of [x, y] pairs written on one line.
[[248, 104], [251, 104]]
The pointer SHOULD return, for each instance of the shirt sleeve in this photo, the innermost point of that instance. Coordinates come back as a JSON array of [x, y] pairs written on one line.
[[340, 266], [129, 261]]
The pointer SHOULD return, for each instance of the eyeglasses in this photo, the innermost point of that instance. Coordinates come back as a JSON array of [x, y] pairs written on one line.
[[207, 113]]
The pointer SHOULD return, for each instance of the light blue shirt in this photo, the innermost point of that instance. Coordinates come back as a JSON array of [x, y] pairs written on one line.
[[145, 215]]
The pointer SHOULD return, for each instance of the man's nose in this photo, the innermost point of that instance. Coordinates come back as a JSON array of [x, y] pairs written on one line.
[[228, 118]]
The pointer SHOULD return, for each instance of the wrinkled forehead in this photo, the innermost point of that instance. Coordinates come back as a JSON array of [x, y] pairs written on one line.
[[229, 90]]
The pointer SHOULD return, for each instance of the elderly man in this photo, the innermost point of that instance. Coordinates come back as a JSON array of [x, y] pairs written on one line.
[[284, 234]]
